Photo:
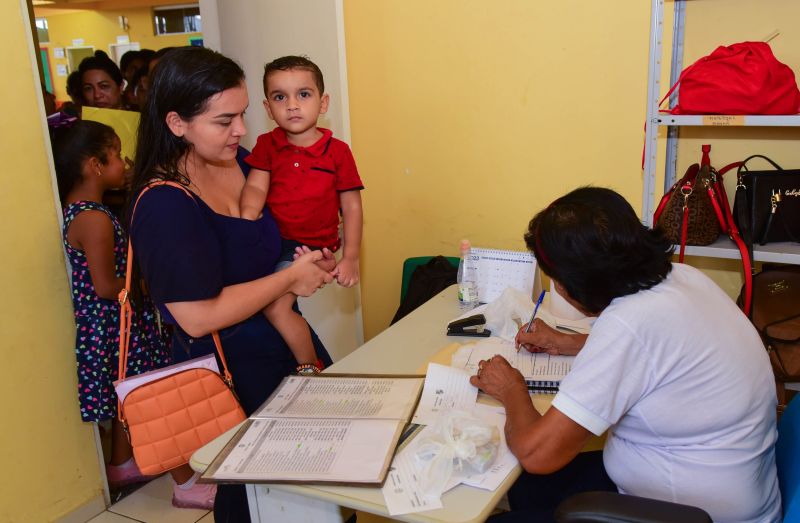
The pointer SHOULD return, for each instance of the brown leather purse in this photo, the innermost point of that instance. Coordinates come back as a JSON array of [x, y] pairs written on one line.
[[776, 315], [691, 212]]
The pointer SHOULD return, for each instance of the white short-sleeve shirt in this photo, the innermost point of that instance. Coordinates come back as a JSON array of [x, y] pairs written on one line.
[[681, 381]]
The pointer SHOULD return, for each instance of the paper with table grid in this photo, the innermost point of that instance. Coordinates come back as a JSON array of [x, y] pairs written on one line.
[[495, 270]]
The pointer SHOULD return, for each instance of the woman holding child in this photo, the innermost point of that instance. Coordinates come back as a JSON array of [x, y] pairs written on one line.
[[206, 267], [672, 370]]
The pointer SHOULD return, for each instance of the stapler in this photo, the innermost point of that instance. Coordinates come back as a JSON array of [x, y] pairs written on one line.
[[471, 326]]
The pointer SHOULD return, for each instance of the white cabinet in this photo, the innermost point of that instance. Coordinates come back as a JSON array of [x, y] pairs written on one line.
[[784, 252]]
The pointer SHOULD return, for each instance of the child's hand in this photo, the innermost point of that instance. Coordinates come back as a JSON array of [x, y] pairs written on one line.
[[327, 262], [347, 272]]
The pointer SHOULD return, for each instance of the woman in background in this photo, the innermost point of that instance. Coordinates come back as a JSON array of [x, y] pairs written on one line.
[[101, 82]]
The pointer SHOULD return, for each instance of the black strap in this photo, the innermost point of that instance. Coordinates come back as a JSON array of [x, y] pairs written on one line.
[[743, 166]]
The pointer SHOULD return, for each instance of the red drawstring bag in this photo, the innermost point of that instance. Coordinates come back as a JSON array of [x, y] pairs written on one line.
[[743, 78]]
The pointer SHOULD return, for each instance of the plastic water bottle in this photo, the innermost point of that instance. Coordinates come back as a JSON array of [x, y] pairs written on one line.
[[467, 288]]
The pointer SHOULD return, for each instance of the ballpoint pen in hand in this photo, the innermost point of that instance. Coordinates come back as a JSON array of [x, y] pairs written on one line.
[[533, 316], [535, 310]]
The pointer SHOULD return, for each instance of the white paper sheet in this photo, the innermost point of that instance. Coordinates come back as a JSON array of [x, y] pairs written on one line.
[[446, 389], [402, 491], [305, 449], [338, 397], [124, 387]]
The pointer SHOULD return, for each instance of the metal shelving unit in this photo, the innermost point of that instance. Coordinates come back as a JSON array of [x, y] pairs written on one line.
[[723, 248]]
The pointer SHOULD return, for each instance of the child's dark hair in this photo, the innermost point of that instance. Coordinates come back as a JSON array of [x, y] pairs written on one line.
[[101, 61], [72, 146], [74, 87], [288, 63]]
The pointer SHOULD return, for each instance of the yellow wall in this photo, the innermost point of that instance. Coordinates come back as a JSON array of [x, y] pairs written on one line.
[[49, 456], [468, 117], [100, 29]]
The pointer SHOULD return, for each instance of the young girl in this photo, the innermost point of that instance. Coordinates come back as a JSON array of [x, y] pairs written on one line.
[[88, 162]]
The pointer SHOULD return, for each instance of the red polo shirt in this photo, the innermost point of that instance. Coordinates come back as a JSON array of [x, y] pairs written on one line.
[[305, 183]]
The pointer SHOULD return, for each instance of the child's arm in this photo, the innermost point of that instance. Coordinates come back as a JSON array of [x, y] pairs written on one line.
[[254, 194], [347, 271], [93, 233]]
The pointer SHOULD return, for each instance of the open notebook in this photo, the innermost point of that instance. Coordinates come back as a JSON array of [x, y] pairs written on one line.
[[543, 373], [321, 429]]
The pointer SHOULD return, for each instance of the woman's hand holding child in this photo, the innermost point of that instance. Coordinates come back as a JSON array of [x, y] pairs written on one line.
[[308, 272]]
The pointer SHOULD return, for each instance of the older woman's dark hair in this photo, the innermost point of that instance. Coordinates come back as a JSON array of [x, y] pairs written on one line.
[[183, 81], [593, 244], [73, 145], [101, 61]]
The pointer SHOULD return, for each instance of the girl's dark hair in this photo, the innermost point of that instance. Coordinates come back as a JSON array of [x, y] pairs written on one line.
[[592, 243], [72, 146], [101, 61], [183, 81]]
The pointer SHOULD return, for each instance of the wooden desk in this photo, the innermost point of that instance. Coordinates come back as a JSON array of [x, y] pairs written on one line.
[[404, 348]]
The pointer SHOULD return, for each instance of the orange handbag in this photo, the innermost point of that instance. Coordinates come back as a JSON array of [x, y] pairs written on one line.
[[169, 418]]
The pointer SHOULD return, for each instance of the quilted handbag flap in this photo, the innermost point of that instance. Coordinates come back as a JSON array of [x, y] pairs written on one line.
[[169, 419]]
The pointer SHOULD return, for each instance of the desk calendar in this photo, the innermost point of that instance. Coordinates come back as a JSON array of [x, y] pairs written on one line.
[[494, 270]]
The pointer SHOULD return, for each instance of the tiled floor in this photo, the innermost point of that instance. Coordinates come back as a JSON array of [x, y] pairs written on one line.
[[152, 503]]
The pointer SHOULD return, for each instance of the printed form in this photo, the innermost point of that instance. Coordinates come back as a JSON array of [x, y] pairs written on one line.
[[446, 389], [299, 449], [342, 397]]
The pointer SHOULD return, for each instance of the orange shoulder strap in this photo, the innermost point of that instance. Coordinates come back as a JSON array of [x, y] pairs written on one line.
[[125, 305]]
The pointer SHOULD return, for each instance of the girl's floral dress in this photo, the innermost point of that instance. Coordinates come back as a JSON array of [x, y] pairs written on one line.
[[97, 322]]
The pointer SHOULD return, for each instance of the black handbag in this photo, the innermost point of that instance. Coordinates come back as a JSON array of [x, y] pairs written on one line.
[[767, 203]]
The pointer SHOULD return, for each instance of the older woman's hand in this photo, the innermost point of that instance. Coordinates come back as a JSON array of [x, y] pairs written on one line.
[[497, 378], [307, 276], [544, 338]]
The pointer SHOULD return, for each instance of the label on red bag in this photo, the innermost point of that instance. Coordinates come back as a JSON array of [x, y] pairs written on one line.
[[723, 120]]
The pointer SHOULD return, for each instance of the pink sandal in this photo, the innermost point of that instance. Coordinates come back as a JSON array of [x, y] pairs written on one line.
[[199, 495], [125, 474]]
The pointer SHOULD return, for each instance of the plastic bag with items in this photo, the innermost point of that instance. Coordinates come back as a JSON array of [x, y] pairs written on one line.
[[459, 443]]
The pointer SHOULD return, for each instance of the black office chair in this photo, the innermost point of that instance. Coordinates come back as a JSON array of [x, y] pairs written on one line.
[[610, 507]]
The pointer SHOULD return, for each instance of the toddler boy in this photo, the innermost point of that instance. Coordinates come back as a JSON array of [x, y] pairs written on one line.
[[305, 176]]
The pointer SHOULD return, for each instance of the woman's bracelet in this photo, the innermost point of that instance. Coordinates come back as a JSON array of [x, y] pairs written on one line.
[[307, 369]]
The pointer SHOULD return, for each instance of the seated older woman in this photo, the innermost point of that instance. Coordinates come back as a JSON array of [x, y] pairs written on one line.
[[672, 370]]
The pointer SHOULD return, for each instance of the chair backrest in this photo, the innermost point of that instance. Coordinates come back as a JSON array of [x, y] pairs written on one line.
[[411, 264], [787, 457]]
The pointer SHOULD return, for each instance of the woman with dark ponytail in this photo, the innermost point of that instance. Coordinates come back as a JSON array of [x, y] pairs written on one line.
[[206, 268]]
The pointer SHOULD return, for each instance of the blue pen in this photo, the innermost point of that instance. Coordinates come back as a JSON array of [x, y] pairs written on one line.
[[535, 310]]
